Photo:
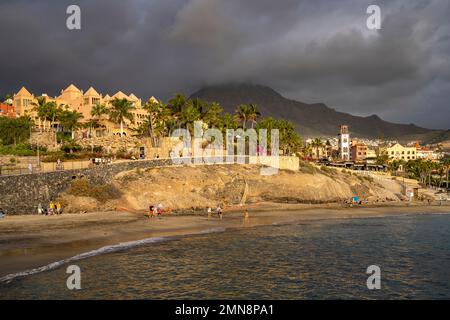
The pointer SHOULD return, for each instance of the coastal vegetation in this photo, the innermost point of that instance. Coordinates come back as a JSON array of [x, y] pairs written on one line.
[[427, 172], [14, 131], [83, 188], [181, 112]]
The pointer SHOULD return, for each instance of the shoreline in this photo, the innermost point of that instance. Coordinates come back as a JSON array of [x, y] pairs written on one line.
[[28, 242]]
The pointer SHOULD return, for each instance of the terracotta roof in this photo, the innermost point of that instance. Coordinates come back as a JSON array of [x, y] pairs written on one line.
[[7, 111]]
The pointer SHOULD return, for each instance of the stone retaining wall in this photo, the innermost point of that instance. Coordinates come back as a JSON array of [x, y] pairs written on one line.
[[21, 194]]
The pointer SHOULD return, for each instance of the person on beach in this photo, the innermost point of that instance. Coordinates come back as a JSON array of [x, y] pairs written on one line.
[[246, 218], [51, 208], [58, 208], [219, 212], [40, 210], [208, 211], [151, 211], [2, 214]]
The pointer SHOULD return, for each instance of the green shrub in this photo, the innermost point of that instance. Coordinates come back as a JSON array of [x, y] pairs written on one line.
[[70, 147], [23, 150], [54, 156], [308, 168], [124, 154], [328, 170]]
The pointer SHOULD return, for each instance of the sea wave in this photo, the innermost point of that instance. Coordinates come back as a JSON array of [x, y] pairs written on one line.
[[106, 249]]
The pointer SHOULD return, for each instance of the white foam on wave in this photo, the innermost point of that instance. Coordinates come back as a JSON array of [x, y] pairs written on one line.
[[89, 254]]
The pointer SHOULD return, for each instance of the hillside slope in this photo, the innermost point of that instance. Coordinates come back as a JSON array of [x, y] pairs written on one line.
[[183, 188]]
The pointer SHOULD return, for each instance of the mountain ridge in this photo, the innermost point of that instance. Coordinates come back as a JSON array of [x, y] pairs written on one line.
[[314, 119]]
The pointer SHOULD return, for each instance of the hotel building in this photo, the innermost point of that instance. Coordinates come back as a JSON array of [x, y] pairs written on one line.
[[82, 102], [399, 152]]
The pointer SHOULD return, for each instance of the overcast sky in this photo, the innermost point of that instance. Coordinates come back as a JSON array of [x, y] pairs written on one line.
[[312, 51]]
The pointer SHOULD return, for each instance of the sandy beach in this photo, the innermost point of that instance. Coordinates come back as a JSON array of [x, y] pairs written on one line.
[[28, 242]]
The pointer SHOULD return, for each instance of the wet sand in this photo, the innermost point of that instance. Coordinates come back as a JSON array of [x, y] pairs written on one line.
[[32, 241]]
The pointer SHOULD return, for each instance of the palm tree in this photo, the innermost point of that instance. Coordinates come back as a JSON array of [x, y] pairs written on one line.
[[254, 114], [121, 110], [40, 108], [243, 112], [177, 104], [446, 162], [70, 120], [97, 112], [289, 140], [48, 111], [212, 114], [155, 122], [190, 114], [317, 144], [227, 121]]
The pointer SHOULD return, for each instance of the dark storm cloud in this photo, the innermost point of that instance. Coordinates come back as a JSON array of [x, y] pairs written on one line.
[[308, 50]]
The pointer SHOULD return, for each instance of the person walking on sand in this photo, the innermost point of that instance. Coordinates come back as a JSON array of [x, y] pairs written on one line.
[[51, 206], [40, 210], [209, 210], [219, 212], [58, 208], [150, 212], [246, 218]]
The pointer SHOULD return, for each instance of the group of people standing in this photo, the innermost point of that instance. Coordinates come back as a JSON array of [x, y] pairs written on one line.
[[51, 209], [218, 211], [158, 210]]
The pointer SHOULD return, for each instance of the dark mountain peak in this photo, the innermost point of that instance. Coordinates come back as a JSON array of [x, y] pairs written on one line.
[[248, 90], [310, 119], [374, 117]]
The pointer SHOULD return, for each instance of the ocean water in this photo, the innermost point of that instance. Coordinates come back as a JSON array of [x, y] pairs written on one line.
[[304, 260]]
